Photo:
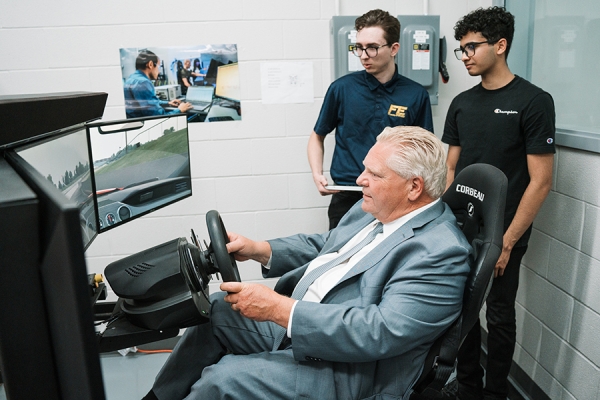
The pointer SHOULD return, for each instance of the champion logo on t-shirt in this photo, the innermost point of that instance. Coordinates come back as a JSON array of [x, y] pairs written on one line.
[[549, 140], [499, 111]]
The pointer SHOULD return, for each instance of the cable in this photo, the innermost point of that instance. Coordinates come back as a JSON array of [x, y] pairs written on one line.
[[109, 320], [154, 351]]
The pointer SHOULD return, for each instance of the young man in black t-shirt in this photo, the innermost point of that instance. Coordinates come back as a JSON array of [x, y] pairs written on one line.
[[507, 122]]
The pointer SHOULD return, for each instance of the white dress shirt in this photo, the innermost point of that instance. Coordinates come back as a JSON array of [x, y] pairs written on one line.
[[323, 284]]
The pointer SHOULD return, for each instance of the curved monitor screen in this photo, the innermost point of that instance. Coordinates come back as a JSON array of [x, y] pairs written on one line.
[[65, 162], [138, 166]]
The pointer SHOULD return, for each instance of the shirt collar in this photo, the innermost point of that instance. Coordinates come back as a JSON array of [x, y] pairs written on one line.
[[373, 83], [141, 74], [391, 227]]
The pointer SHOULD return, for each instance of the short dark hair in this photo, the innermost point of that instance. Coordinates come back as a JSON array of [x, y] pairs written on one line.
[[143, 58], [494, 23], [382, 19]]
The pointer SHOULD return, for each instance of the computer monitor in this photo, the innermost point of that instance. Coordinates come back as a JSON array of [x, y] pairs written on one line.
[[46, 304], [211, 72], [139, 166], [64, 161], [228, 82], [48, 344]]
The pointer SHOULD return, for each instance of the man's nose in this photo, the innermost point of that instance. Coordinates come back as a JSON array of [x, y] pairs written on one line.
[[361, 179]]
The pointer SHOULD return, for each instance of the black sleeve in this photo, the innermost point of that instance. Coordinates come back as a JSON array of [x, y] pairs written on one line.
[[539, 125], [328, 117], [450, 135]]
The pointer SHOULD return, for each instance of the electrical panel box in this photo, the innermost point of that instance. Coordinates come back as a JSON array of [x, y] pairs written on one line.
[[419, 55], [418, 58], [343, 37]]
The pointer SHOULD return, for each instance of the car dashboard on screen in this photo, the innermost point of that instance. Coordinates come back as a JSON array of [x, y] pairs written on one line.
[[138, 166]]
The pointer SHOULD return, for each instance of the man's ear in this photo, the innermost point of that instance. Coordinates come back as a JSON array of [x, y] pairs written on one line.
[[395, 49], [502, 46], [416, 189]]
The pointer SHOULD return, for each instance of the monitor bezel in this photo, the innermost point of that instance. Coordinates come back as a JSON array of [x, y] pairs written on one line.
[[130, 121], [41, 180]]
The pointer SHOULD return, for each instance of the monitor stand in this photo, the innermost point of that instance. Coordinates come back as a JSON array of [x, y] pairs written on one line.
[[121, 334]]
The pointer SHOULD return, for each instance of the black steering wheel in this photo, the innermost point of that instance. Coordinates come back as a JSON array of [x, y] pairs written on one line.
[[197, 264], [224, 262]]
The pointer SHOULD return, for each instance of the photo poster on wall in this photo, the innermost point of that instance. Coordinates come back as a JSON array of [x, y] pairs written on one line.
[[201, 81]]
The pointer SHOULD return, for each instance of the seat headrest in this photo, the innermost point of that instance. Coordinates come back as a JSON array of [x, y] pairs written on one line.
[[478, 197], [478, 194]]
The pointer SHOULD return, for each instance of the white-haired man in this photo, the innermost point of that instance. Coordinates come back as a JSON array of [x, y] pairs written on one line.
[[356, 309]]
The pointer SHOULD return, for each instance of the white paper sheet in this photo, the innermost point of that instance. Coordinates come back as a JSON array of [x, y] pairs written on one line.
[[287, 82]]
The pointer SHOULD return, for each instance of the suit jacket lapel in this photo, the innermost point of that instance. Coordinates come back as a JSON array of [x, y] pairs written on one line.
[[342, 235], [338, 238], [403, 233]]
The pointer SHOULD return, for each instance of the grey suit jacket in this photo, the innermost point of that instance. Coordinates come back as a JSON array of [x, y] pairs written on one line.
[[369, 336]]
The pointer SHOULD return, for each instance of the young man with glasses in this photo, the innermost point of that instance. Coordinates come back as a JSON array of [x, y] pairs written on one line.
[[359, 105], [507, 122]]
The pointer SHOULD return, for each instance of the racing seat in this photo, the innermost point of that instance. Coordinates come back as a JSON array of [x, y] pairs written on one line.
[[477, 197]]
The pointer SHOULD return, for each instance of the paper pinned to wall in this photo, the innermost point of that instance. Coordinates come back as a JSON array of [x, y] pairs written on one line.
[[287, 82]]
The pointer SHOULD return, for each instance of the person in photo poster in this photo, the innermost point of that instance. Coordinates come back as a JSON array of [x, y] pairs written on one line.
[[186, 76], [140, 95]]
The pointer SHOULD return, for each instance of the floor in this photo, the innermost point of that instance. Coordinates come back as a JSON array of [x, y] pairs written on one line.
[[127, 377], [130, 376]]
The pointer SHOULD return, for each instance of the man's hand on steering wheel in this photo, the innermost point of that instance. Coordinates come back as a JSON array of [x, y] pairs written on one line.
[[244, 249], [258, 302]]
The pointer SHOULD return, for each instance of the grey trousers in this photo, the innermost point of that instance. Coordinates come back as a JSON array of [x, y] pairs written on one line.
[[229, 357]]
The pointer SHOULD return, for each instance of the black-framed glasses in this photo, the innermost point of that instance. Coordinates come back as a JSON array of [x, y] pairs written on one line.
[[371, 51], [469, 49]]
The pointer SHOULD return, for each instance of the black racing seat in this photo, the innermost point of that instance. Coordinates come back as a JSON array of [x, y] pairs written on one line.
[[477, 197]]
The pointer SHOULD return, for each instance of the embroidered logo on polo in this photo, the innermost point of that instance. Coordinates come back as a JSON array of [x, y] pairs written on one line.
[[397, 111], [499, 111]]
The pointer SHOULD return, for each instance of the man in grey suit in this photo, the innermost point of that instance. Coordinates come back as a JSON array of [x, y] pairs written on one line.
[[358, 330]]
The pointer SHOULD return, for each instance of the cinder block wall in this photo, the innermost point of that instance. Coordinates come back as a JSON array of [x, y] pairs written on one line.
[[558, 310], [255, 172]]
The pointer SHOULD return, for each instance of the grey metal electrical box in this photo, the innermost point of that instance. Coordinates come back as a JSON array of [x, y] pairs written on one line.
[[343, 37], [419, 55], [418, 58]]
